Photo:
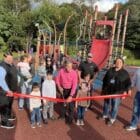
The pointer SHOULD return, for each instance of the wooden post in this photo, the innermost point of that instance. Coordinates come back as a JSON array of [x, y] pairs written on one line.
[[104, 31], [113, 35], [55, 36], [90, 26], [118, 36], [124, 32], [44, 43], [85, 24], [37, 52], [65, 32], [80, 35], [95, 18]]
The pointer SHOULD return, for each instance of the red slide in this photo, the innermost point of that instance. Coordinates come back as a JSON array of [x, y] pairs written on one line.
[[100, 50]]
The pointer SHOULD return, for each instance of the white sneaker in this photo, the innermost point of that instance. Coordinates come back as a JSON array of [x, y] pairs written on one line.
[[32, 125], [78, 122], [130, 128], [38, 124], [104, 117], [82, 122], [112, 120]]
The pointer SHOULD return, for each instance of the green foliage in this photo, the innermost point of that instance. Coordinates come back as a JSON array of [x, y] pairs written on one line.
[[132, 57], [18, 19], [132, 40], [72, 50], [17, 42], [3, 46], [133, 29]]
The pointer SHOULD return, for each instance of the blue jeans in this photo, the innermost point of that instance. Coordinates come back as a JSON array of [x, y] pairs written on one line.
[[24, 90], [114, 104], [136, 110], [80, 112], [36, 114]]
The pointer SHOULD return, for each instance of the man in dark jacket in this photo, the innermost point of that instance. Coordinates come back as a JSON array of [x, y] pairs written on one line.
[[88, 69], [8, 84]]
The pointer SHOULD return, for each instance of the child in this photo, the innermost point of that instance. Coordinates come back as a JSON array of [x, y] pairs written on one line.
[[35, 106], [24, 69], [81, 105], [41, 71], [48, 90]]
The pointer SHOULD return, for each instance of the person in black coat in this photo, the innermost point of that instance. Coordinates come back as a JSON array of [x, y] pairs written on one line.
[[115, 81], [8, 84]]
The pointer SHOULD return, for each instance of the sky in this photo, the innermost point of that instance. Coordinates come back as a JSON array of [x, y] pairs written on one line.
[[103, 5]]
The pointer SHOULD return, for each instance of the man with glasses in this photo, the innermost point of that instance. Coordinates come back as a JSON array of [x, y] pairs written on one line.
[[87, 69], [8, 84], [66, 81]]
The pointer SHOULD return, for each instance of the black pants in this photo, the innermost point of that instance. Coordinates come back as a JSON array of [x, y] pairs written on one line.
[[10, 112], [6, 110], [67, 109]]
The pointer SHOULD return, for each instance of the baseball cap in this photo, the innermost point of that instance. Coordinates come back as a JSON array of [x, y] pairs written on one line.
[[90, 55]]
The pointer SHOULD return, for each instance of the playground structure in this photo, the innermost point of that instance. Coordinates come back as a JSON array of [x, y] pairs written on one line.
[[104, 37], [103, 40]]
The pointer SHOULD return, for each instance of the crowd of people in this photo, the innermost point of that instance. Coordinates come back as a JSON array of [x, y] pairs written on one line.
[[63, 81]]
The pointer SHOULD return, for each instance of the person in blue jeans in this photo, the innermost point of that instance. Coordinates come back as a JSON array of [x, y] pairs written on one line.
[[81, 105], [136, 109], [115, 81], [35, 106]]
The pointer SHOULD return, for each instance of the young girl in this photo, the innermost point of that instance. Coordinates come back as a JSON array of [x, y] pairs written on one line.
[[81, 105], [35, 106], [48, 90]]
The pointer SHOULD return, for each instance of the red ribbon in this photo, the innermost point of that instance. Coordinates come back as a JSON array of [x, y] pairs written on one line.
[[20, 95]]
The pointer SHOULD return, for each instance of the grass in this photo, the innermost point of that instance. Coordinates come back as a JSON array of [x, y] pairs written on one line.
[[133, 62], [133, 57]]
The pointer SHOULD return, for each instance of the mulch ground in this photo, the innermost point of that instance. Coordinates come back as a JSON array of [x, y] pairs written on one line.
[[93, 129]]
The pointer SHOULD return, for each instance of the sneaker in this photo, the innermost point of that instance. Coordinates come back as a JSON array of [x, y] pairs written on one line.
[[82, 122], [104, 117], [7, 125], [12, 118], [130, 128], [32, 125], [39, 124], [110, 122], [45, 121], [52, 118], [78, 122]]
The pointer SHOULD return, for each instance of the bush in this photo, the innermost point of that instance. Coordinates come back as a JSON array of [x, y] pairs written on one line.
[[3, 45]]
